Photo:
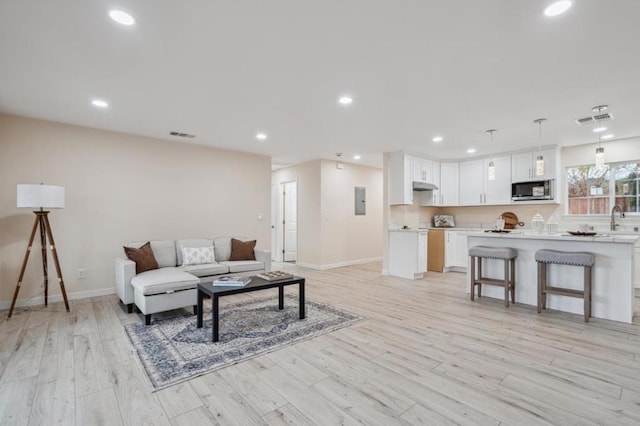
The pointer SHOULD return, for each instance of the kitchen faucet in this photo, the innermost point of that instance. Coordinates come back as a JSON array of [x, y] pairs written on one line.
[[613, 219]]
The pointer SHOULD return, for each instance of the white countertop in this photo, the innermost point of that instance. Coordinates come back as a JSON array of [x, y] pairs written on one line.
[[530, 235], [604, 237]]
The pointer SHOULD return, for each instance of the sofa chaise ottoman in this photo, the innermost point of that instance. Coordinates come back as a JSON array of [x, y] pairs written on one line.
[[174, 283]]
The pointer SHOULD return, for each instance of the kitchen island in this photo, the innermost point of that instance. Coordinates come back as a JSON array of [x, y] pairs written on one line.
[[612, 289]]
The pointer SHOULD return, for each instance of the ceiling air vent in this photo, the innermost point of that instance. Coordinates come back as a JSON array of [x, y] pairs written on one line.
[[605, 116], [182, 135]]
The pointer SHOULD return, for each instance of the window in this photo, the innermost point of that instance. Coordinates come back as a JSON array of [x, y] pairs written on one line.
[[592, 190], [627, 176]]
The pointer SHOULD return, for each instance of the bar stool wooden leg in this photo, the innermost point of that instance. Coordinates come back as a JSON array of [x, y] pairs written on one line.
[[506, 283], [472, 275], [540, 272], [544, 285], [587, 293], [513, 280], [480, 276]]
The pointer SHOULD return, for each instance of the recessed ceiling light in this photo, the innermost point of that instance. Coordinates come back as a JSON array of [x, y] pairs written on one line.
[[99, 103], [437, 139], [599, 129], [471, 150], [345, 100], [121, 17], [261, 136], [357, 157], [608, 136], [558, 8]]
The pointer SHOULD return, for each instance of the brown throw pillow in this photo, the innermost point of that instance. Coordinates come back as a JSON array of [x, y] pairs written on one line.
[[242, 250], [144, 258]]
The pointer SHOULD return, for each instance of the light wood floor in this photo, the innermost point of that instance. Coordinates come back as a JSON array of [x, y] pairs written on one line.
[[424, 355]]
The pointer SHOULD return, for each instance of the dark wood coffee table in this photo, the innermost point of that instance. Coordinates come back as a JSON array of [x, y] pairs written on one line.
[[215, 292]]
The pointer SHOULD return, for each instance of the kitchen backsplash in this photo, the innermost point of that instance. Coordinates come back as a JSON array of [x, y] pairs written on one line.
[[469, 217], [484, 217]]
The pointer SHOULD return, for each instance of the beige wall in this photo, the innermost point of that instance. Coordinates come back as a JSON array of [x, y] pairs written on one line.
[[119, 188], [487, 215], [307, 175], [615, 151], [329, 232], [346, 237]]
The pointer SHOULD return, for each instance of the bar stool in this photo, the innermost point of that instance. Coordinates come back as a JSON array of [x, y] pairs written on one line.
[[508, 281], [586, 260]]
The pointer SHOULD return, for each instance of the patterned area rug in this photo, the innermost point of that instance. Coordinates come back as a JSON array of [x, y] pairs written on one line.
[[173, 350]]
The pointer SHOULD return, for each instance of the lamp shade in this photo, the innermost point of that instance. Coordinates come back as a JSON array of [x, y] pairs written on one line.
[[40, 196]]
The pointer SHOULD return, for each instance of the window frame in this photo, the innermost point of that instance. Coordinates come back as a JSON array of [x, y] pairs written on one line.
[[613, 169]]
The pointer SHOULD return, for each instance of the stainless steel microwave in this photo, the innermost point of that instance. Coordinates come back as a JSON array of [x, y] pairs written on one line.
[[534, 190]]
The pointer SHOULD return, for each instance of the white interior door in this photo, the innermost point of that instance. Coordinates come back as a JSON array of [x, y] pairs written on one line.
[[274, 221], [290, 223]]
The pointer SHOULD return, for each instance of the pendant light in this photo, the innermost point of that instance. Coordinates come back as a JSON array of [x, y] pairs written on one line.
[[491, 171], [599, 154], [539, 157], [599, 150]]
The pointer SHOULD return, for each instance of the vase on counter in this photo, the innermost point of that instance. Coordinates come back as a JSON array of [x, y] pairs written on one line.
[[552, 224], [500, 224], [537, 223]]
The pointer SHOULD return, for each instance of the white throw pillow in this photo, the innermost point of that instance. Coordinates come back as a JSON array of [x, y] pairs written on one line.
[[197, 255]]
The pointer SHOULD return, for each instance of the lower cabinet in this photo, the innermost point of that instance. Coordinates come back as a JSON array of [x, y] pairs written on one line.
[[408, 254], [447, 251], [435, 254], [455, 251]]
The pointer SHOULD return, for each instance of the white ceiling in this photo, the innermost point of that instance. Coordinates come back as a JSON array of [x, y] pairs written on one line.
[[224, 70]]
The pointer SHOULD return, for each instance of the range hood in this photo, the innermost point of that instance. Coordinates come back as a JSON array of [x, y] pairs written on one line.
[[422, 186]]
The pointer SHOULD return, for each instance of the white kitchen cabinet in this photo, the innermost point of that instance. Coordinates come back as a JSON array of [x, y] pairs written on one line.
[[498, 191], [408, 254], [523, 165], [449, 179], [421, 169], [400, 179], [471, 182], [430, 198], [477, 189], [455, 250], [435, 179]]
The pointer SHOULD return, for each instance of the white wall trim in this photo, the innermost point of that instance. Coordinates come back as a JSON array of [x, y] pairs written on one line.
[[338, 265], [39, 299]]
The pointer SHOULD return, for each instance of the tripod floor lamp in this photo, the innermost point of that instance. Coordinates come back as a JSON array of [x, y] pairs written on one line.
[[41, 197]]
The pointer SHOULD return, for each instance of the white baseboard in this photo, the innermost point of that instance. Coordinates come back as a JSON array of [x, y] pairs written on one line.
[[39, 299], [337, 265]]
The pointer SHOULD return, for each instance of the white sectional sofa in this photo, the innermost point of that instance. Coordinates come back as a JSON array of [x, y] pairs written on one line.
[[173, 285]]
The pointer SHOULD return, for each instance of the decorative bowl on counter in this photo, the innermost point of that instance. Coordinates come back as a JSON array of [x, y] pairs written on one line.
[[582, 234]]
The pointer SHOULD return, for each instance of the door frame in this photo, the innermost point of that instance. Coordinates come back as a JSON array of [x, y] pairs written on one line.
[[278, 204]]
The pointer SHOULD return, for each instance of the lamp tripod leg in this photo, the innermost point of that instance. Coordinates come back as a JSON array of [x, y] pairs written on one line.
[[43, 249], [54, 252], [24, 265]]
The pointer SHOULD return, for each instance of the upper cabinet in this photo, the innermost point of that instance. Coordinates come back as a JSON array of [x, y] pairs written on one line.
[[448, 188], [436, 179], [421, 169], [523, 165], [466, 183], [406, 169], [477, 189]]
